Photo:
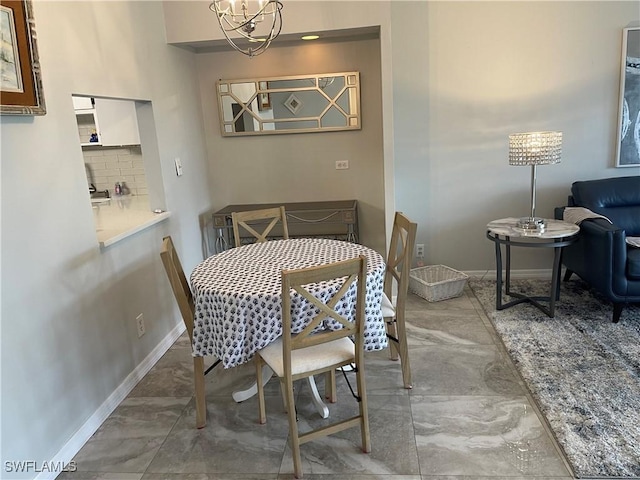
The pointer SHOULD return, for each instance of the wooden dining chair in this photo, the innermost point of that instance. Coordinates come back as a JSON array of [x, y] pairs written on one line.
[[184, 297], [292, 357], [403, 237], [250, 220]]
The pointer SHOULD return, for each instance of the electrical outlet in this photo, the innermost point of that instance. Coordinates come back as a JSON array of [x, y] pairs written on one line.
[[178, 163], [342, 164], [140, 324], [420, 250]]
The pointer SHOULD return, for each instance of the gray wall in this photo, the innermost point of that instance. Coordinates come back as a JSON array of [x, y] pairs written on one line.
[[300, 167], [466, 74], [189, 23], [68, 309], [455, 79]]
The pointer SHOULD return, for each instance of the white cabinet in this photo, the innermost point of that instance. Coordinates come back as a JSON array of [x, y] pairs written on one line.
[[113, 121], [82, 103], [118, 122]]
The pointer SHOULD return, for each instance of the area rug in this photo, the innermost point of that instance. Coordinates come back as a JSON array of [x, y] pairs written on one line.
[[581, 369]]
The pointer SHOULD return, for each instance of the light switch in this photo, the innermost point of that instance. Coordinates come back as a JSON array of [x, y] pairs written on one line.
[[178, 166]]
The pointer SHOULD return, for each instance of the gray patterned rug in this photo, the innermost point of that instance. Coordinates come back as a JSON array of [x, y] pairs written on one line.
[[582, 369]]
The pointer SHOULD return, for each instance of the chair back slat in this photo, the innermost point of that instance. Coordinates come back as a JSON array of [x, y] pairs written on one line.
[[184, 297], [247, 221], [325, 310], [348, 272], [403, 237], [321, 356], [178, 281]]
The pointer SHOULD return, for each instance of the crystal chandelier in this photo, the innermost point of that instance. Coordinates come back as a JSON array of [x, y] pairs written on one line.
[[257, 27]]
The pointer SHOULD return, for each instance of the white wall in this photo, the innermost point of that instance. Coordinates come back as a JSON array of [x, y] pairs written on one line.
[[68, 309]]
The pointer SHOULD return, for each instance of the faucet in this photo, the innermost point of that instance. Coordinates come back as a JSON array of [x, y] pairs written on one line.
[[93, 191]]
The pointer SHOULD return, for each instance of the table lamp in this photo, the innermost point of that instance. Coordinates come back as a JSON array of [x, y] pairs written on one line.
[[534, 148]]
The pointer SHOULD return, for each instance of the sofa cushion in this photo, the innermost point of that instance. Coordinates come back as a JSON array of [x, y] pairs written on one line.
[[633, 263], [618, 199]]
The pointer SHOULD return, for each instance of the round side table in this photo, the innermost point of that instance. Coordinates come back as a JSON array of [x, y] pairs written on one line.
[[557, 234]]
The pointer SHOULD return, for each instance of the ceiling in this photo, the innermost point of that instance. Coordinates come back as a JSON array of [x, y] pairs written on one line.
[[291, 39]]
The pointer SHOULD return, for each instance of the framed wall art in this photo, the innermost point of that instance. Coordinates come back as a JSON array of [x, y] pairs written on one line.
[[628, 140], [20, 76]]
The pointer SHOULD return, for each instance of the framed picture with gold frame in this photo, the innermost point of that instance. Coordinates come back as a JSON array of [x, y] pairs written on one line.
[[20, 79]]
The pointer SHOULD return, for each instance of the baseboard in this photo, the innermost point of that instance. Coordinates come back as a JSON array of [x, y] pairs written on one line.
[[515, 274], [77, 441]]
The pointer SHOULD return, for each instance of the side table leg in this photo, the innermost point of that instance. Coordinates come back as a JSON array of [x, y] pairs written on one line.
[[554, 291], [559, 274], [498, 275], [221, 242], [351, 235], [507, 273]]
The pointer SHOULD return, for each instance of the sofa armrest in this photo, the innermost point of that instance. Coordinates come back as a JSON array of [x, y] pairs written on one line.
[[600, 226], [599, 256], [558, 212]]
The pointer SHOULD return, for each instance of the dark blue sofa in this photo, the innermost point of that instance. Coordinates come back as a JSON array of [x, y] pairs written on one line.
[[601, 256]]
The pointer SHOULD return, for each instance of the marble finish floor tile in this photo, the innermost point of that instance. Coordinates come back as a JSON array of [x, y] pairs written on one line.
[[99, 476], [183, 341], [448, 327], [393, 448], [487, 477], [468, 417], [129, 439], [415, 302], [476, 435], [232, 441], [172, 376], [462, 370], [210, 476], [329, 476]]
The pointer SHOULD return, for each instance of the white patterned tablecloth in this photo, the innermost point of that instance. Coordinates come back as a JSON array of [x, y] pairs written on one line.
[[237, 295]]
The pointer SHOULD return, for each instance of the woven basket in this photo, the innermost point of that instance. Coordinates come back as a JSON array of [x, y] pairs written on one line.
[[437, 282]]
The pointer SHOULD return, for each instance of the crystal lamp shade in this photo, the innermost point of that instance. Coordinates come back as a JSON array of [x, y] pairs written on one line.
[[535, 148]]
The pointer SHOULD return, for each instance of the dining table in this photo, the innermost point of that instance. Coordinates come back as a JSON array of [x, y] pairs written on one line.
[[238, 299]]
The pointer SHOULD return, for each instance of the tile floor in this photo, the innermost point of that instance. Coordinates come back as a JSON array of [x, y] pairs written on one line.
[[467, 417]]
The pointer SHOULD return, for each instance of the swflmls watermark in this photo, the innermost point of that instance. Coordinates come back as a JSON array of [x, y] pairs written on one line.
[[39, 467]]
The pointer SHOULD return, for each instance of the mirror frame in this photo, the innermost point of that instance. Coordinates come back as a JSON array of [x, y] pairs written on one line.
[[263, 96], [627, 150]]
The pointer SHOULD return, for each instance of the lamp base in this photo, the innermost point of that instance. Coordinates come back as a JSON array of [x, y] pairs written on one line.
[[532, 224]]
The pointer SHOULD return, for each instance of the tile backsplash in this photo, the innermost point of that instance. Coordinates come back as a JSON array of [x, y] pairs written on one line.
[[107, 165]]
